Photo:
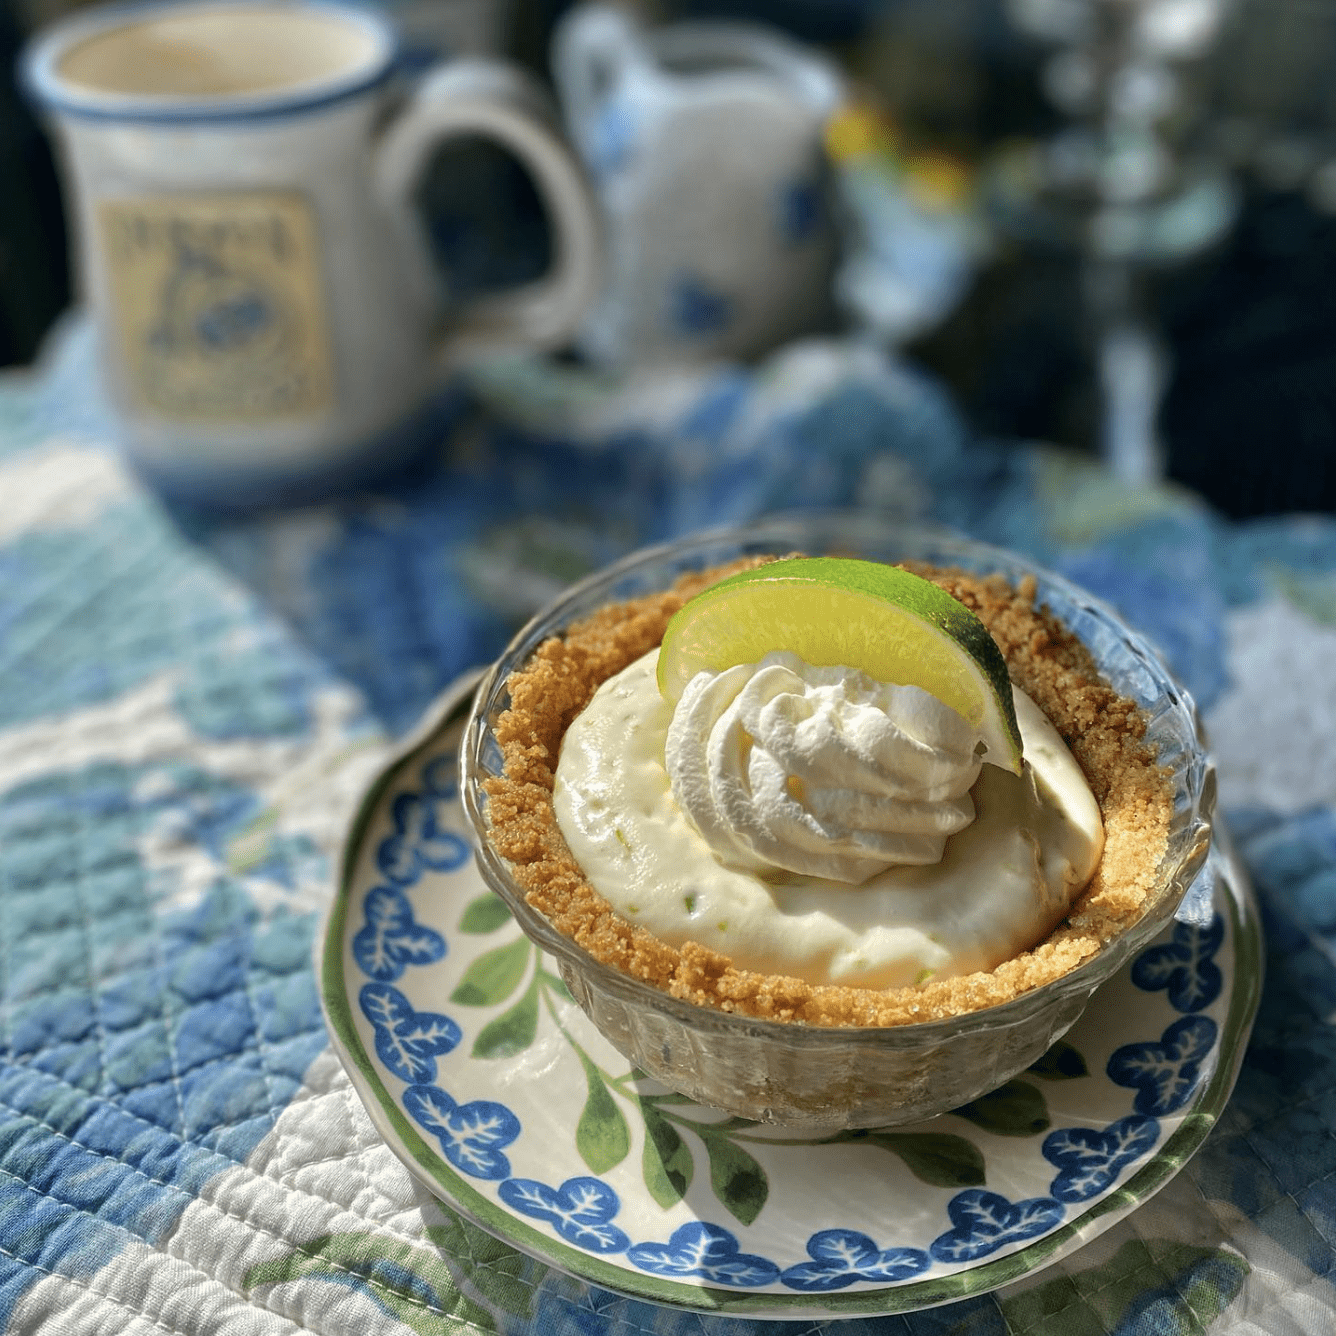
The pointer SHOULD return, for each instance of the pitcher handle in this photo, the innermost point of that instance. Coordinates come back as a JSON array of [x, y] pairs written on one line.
[[591, 47], [497, 101]]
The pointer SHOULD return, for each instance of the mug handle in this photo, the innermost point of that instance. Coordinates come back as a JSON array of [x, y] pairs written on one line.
[[497, 101]]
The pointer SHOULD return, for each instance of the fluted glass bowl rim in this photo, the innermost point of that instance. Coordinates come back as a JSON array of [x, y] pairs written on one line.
[[1193, 779]]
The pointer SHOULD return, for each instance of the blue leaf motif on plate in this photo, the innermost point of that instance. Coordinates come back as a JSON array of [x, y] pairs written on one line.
[[1089, 1160], [421, 839], [986, 1221], [1164, 1071], [708, 1251], [391, 939], [407, 1041], [842, 1256], [1184, 966], [471, 1135], [581, 1210]]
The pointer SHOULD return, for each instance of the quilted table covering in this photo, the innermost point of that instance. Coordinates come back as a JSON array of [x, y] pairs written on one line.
[[190, 706]]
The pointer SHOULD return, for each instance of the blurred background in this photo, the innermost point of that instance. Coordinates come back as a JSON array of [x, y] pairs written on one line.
[[1146, 192], [1085, 278]]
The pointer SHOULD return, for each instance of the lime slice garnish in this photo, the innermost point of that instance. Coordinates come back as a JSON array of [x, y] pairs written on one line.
[[836, 612]]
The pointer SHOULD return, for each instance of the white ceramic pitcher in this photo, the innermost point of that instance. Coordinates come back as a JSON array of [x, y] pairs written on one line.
[[705, 143]]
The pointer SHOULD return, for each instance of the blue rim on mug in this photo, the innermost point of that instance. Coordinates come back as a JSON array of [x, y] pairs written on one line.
[[42, 82]]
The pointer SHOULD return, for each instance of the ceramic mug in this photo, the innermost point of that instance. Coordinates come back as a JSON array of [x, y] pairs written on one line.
[[241, 183], [705, 144]]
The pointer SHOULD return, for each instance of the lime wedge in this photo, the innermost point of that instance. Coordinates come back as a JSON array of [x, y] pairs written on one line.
[[836, 612]]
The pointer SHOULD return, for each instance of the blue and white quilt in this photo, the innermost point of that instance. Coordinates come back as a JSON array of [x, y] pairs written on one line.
[[190, 706]]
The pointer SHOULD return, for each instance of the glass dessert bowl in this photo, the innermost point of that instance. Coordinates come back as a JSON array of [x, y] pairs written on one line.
[[870, 1058]]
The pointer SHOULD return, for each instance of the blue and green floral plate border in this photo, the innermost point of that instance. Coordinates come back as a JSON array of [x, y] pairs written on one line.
[[492, 1087]]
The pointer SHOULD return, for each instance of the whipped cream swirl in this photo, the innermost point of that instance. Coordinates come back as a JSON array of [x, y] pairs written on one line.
[[823, 772]]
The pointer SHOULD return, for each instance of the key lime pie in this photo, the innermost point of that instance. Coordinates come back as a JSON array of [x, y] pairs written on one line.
[[826, 795], [775, 784]]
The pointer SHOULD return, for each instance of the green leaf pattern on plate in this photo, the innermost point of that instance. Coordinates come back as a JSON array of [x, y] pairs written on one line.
[[940, 1159], [1062, 1062], [485, 914], [735, 1175], [512, 1031], [1016, 1109], [601, 1136], [494, 975], [666, 1160]]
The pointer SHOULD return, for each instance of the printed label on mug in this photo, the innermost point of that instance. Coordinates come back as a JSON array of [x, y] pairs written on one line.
[[219, 305]]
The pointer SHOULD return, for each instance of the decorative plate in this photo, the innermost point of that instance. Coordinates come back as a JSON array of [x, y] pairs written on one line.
[[490, 1084]]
